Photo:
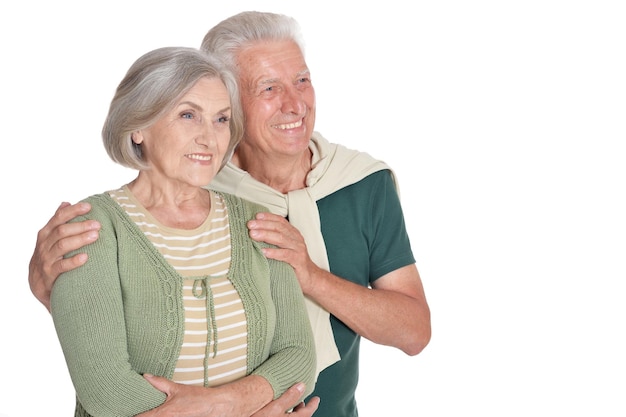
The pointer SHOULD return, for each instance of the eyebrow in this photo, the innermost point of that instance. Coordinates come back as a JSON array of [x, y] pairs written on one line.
[[195, 106], [303, 72], [188, 103], [275, 80]]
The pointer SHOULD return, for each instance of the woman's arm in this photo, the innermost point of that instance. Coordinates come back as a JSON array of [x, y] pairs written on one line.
[[194, 401], [87, 309], [54, 241], [292, 356]]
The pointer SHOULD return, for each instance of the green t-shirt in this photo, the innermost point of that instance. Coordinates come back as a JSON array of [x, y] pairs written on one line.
[[365, 236]]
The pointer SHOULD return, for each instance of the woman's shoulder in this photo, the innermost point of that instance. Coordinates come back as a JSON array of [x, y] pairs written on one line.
[[103, 208], [246, 206]]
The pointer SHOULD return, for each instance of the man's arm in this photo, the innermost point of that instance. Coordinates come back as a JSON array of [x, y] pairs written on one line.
[[54, 240], [394, 312], [397, 297]]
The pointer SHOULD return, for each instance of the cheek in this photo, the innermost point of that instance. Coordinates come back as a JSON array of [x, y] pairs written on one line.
[[259, 110], [309, 98], [224, 139]]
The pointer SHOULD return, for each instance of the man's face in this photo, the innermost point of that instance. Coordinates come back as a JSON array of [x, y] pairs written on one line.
[[277, 96]]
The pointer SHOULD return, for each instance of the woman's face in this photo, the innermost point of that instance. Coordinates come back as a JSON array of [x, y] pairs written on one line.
[[188, 143], [277, 96]]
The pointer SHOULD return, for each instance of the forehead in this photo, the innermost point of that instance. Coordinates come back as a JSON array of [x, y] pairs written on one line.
[[271, 59], [207, 89]]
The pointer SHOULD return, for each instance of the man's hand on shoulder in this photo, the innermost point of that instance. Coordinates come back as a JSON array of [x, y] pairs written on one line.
[[54, 241]]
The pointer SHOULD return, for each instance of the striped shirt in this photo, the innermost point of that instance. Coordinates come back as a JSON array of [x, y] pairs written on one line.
[[215, 340]]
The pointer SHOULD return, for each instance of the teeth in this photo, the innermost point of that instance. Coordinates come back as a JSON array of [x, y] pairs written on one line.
[[290, 125], [200, 157]]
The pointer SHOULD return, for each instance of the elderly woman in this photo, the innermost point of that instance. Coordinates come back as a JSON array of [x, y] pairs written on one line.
[[335, 217], [174, 287]]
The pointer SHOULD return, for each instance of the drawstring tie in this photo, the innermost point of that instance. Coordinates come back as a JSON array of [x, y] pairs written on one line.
[[202, 289]]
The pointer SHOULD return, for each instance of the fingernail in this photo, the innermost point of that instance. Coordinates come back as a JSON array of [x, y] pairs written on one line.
[[94, 225]]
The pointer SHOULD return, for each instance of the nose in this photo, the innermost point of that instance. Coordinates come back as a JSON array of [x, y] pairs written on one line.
[[206, 135], [293, 101]]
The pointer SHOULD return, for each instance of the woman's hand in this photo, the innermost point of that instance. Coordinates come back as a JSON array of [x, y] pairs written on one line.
[[194, 401]]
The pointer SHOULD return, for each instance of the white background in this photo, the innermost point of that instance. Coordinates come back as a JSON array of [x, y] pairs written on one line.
[[505, 122]]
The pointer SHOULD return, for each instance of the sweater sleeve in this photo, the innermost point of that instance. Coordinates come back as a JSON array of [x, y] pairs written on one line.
[[281, 347], [87, 309], [292, 353]]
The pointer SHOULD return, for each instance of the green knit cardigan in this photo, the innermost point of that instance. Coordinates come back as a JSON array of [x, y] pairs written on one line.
[[121, 314]]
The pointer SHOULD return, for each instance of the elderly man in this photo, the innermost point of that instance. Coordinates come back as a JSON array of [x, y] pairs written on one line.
[[335, 216]]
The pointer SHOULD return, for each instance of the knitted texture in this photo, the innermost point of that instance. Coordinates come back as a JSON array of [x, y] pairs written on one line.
[[121, 314]]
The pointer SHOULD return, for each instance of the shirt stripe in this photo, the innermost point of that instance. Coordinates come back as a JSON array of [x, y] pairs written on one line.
[[202, 257]]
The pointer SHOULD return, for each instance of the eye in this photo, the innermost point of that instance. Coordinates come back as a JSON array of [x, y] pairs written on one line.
[[223, 119], [269, 90], [187, 115]]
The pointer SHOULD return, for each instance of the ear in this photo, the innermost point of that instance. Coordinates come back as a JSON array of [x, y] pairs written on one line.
[[136, 137]]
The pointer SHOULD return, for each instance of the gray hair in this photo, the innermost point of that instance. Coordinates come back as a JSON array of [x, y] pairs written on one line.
[[229, 36], [151, 88]]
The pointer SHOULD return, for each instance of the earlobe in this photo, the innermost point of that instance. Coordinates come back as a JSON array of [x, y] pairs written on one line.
[[136, 137]]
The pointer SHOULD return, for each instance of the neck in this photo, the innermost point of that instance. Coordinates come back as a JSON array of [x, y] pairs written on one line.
[[184, 207], [282, 173]]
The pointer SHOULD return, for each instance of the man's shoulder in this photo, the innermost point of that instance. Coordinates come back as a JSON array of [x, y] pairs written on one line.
[[373, 181]]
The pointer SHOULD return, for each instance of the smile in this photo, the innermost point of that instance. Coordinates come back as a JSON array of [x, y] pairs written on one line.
[[199, 157], [290, 125]]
